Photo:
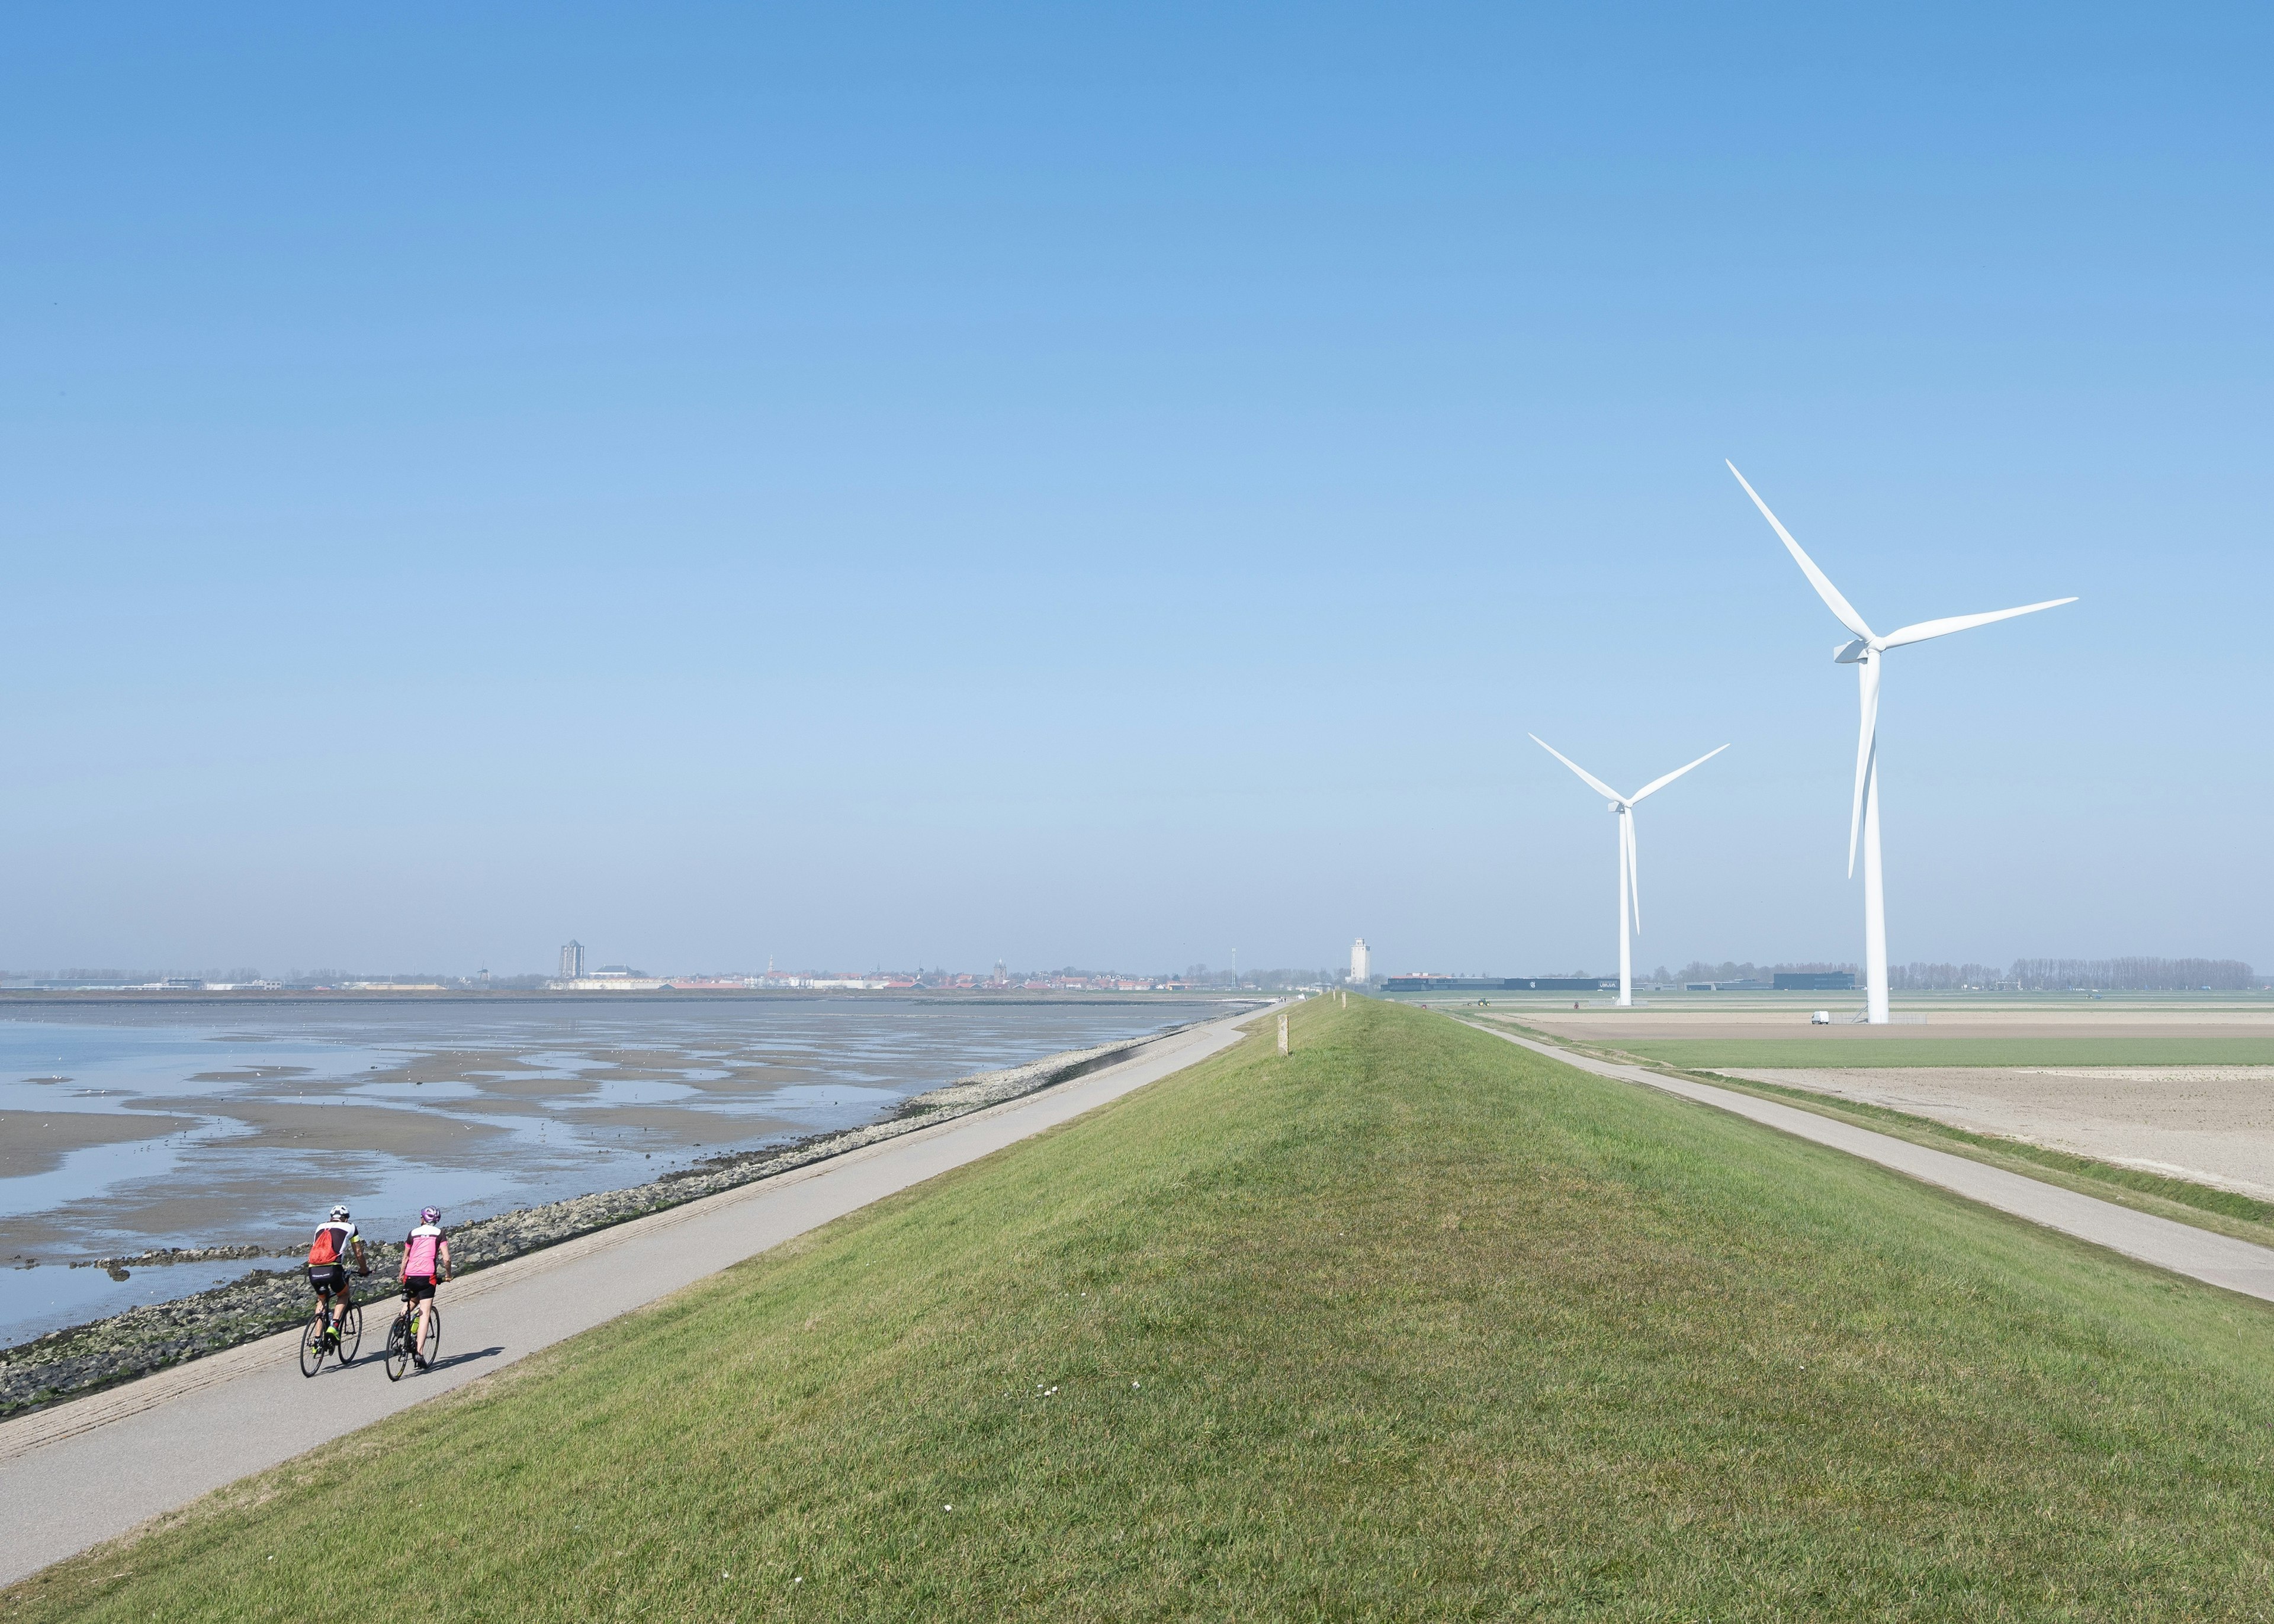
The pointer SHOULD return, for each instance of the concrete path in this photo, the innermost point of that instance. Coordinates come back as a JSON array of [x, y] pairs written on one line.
[[90, 1470], [2218, 1260]]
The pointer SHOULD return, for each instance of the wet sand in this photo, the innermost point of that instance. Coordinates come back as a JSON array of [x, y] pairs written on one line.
[[2211, 1124], [271, 1124], [37, 1141]]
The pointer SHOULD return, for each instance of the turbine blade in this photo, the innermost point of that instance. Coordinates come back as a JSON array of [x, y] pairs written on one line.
[[1593, 783], [1659, 783], [1842, 609], [1867, 748], [1925, 629], [1634, 867]]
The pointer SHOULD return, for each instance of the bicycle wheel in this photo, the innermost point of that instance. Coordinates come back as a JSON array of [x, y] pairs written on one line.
[[312, 1345], [350, 1335], [398, 1347], [429, 1336]]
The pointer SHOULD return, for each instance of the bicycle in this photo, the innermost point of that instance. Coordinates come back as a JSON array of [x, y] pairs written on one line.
[[399, 1343], [314, 1344]]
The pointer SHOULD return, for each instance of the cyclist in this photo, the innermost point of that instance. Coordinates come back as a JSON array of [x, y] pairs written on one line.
[[425, 1264], [336, 1239]]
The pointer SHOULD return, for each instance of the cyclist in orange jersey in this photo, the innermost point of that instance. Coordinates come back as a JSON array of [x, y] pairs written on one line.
[[336, 1239]]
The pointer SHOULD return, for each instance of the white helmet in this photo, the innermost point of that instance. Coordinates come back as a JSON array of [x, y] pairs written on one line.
[[339, 1214]]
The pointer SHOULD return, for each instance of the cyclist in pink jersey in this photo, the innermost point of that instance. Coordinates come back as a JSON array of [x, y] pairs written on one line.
[[426, 1261]]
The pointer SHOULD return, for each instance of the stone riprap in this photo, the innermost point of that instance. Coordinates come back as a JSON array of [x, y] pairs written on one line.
[[164, 1255], [80, 1359]]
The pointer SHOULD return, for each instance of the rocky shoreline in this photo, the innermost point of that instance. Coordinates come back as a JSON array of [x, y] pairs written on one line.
[[84, 1358]]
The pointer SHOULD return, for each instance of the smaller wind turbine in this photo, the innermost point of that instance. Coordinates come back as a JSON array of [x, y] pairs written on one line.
[[1630, 881]]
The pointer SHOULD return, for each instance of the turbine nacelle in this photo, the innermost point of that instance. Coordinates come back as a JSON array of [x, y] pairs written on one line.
[[1850, 653]]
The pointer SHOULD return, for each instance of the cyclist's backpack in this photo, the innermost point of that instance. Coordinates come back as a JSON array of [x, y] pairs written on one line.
[[330, 1245]]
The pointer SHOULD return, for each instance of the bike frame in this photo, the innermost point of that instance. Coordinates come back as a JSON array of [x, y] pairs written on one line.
[[328, 1335], [411, 1321]]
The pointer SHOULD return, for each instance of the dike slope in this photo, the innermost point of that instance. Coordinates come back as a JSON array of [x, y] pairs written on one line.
[[1412, 1324]]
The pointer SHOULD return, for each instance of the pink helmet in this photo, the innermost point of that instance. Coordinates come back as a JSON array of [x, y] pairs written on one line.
[[429, 1214]]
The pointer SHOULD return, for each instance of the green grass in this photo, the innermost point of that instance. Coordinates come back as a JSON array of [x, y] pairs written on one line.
[[1413, 1325], [1831, 1047]]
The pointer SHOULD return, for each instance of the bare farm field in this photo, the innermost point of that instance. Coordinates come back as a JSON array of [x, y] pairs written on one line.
[[2207, 1124], [2136, 1032]]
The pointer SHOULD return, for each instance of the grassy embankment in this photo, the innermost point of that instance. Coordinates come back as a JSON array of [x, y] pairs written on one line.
[[1413, 1324]]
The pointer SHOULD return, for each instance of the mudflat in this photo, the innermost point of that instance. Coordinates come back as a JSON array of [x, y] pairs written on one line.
[[37, 1141], [206, 1125], [267, 1125]]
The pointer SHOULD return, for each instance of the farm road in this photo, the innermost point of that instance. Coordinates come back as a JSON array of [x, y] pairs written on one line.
[[2216, 1259]]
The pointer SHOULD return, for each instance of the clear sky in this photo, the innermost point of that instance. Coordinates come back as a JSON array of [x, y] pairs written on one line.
[[917, 485]]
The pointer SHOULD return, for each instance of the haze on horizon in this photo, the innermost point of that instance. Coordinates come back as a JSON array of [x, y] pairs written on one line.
[[910, 487]]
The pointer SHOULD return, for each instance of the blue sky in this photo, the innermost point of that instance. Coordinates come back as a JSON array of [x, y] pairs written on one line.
[[918, 485]]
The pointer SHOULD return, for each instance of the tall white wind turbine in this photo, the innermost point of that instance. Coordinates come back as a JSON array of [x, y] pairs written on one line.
[[1630, 882], [1864, 653]]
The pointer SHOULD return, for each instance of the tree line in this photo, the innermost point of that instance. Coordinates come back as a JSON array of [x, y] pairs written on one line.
[[1734, 970], [2134, 975], [2060, 975]]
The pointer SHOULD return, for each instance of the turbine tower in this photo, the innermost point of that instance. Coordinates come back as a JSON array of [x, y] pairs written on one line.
[[1630, 882], [1864, 653]]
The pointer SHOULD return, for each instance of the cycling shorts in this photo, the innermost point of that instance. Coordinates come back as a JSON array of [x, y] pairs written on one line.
[[418, 1287], [328, 1277]]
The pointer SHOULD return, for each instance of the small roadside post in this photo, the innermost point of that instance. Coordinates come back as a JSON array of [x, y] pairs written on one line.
[[1282, 1033]]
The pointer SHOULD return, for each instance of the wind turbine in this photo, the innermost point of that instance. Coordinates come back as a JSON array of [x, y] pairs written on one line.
[[1630, 883], [1864, 653]]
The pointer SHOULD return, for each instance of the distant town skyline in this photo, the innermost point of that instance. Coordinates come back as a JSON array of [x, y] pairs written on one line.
[[2136, 973]]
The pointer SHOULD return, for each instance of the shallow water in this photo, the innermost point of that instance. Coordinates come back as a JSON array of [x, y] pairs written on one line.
[[38, 1300], [124, 1128]]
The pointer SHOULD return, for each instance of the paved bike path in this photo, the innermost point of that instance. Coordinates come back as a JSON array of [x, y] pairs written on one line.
[[2182, 1248], [92, 1468]]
